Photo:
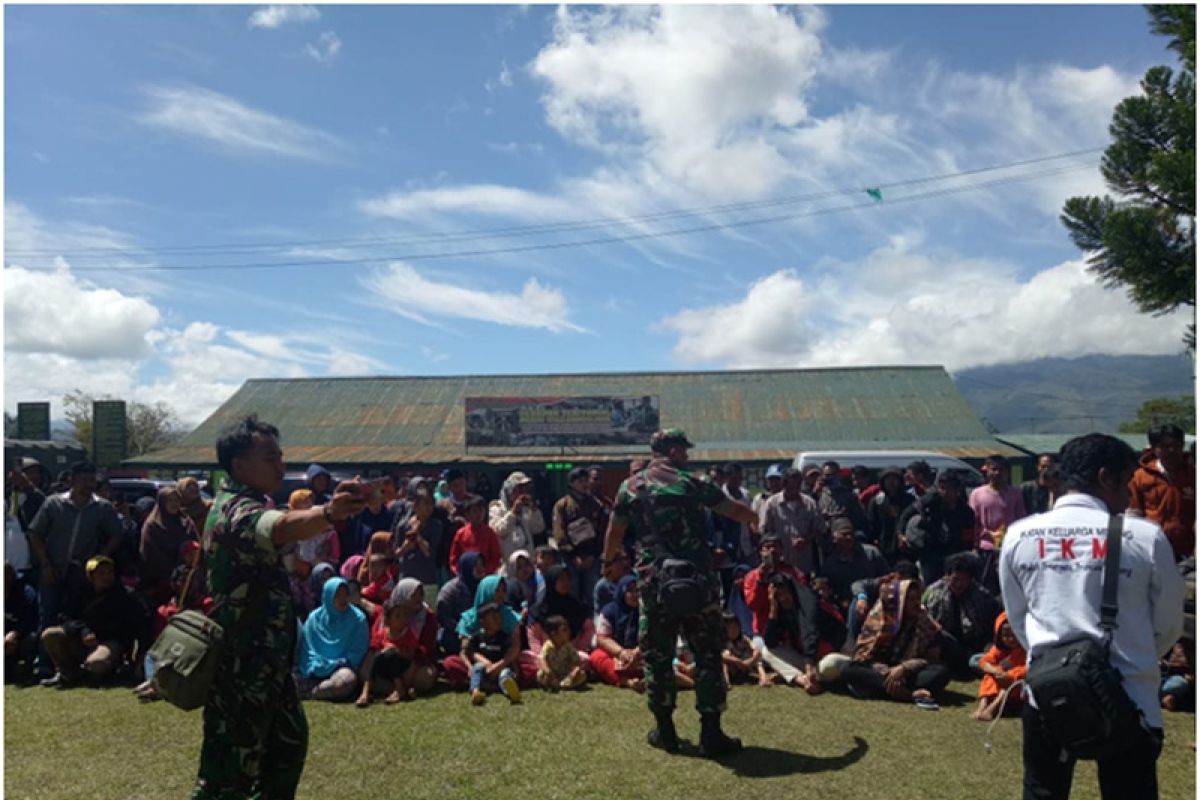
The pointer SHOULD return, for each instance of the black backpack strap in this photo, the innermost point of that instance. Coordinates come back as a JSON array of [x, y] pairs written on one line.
[[1112, 564]]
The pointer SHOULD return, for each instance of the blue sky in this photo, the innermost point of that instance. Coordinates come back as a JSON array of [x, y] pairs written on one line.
[[382, 148]]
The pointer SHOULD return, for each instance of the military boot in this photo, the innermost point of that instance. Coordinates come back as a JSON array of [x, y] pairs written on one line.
[[663, 735], [714, 743]]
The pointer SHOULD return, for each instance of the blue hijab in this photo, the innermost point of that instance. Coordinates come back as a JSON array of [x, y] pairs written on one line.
[[622, 618], [332, 638], [485, 593]]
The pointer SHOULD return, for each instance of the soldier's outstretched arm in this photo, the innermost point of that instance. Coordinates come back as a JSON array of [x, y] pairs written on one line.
[[738, 512], [613, 538]]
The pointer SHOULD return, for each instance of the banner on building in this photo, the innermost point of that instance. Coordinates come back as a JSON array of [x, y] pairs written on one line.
[[33, 421], [560, 421], [109, 442]]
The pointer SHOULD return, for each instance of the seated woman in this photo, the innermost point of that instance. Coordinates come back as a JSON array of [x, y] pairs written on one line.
[[163, 534], [791, 637], [617, 659], [525, 584], [455, 599], [557, 601], [403, 658], [491, 589], [896, 654], [333, 644], [97, 634]]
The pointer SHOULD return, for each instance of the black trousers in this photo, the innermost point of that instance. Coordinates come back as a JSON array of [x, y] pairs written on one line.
[[866, 682], [1131, 775], [390, 665]]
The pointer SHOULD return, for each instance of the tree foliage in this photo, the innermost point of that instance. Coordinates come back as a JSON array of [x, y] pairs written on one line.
[[1161, 410], [147, 427], [1145, 238]]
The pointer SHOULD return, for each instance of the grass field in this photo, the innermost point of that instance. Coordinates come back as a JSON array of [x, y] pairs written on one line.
[[101, 744]]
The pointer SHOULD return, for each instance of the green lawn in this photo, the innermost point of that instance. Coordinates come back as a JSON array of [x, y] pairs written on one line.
[[88, 743]]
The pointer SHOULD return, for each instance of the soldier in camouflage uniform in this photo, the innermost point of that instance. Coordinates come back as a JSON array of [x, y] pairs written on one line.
[[664, 505], [255, 733]]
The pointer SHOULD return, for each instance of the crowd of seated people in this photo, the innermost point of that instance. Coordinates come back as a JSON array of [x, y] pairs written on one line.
[[875, 587]]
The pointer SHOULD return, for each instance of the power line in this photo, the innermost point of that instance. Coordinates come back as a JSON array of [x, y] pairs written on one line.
[[425, 256], [561, 227]]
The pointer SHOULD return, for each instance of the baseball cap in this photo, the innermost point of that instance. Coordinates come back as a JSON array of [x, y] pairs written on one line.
[[775, 471]]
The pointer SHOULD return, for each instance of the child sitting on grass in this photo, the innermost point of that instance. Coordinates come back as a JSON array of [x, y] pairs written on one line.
[[558, 665], [742, 660], [1002, 666], [491, 653]]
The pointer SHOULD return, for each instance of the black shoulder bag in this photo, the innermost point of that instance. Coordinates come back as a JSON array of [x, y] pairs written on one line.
[[681, 588], [1079, 693]]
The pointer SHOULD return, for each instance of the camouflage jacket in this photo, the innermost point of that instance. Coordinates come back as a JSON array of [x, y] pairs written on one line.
[[678, 501], [239, 551]]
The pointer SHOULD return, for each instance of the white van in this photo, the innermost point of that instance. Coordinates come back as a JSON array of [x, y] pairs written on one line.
[[879, 460]]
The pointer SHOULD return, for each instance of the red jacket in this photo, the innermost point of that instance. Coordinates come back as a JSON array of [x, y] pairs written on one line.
[[422, 644], [1170, 503], [480, 539], [754, 589]]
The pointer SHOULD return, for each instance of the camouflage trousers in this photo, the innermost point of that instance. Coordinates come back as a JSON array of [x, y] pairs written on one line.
[[704, 634], [255, 732]]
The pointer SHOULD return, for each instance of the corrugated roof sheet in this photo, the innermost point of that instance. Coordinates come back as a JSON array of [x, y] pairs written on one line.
[[733, 415], [1034, 443]]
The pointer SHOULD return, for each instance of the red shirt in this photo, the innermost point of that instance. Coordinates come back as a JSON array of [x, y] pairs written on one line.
[[480, 539], [755, 591], [422, 644]]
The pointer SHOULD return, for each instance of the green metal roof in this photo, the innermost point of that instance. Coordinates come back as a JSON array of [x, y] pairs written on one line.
[[747, 415], [1035, 443]]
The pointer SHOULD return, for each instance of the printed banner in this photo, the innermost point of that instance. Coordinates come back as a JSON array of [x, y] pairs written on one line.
[[560, 421]]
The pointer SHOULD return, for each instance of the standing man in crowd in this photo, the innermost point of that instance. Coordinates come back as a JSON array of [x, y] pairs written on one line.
[[664, 505], [774, 479], [938, 525], [68, 530], [1035, 494], [793, 516], [578, 525], [997, 504], [255, 733], [1052, 576], [1163, 489]]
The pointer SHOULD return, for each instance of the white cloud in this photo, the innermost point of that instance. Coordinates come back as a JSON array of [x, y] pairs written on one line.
[[275, 16], [503, 80], [53, 312], [407, 292], [490, 199], [203, 114], [903, 307], [726, 79], [326, 48]]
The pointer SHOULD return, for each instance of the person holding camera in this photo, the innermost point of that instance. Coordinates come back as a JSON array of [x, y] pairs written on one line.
[[1052, 575], [255, 732], [678, 588]]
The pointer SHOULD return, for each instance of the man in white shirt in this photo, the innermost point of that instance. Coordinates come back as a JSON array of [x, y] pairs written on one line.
[[1052, 575], [793, 517]]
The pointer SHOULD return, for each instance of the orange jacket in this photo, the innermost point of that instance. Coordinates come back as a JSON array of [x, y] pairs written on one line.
[[1011, 661], [1170, 503]]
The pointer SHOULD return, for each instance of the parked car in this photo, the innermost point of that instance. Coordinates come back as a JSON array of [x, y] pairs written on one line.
[[879, 460], [297, 480]]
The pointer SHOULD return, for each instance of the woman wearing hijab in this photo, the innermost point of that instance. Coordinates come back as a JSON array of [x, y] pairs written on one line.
[[333, 644], [896, 653], [515, 517], [557, 600], [455, 599], [492, 589], [617, 659], [194, 505], [163, 534], [525, 583], [403, 656]]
